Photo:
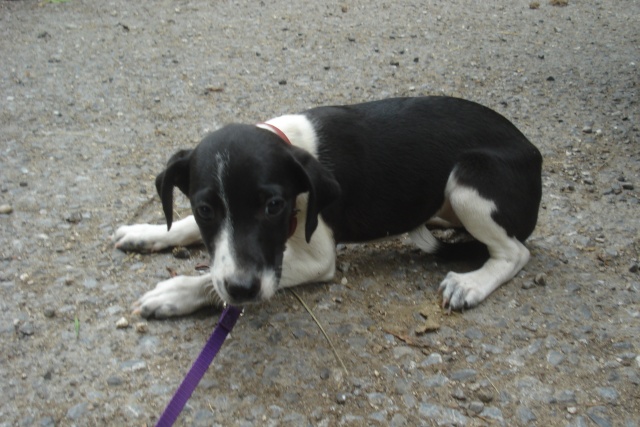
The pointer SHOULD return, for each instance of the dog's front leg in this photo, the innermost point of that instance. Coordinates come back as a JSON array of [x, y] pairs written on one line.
[[177, 296], [152, 238]]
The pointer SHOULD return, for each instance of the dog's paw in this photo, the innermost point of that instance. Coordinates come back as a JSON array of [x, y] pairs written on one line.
[[177, 296], [460, 291], [140, 238]]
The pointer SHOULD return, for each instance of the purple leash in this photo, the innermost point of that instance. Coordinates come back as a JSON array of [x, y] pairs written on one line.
[[227, 320]]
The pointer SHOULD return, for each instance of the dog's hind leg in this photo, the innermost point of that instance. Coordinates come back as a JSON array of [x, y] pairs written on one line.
[[152, 238], [507, 254]]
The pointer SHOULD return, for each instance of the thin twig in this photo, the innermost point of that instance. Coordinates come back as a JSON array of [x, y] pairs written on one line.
[[493, 385], [315, 319]]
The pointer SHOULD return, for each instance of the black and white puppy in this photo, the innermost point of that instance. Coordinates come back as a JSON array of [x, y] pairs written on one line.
[[270, 201]]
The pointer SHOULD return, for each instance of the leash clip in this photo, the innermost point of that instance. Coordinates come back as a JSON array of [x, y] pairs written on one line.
[[226, 306]]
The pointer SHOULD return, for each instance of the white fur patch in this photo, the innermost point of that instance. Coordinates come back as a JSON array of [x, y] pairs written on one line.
[[224, 264], [424, 240], [298, 129], [308, 262]]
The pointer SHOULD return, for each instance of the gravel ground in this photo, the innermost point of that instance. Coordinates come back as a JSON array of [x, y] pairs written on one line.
[[94, 98]]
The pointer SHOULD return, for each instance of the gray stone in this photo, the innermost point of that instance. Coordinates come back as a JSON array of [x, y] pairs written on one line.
[[490, 348], [565, 396], [133, 365], [27, 329], [77, 411], [432, 359], [458, 394], [492, 413], [598, 414], [435, 381], [555, 357], [525, 416], [464, 375], [398, 420], [114, 380], [578, 422], [47, 421], [349, 419], [409, 400], [377, 400], [402, 351], [442, 415], [608, 393], [473, 334], [379, 416], [476, 406]]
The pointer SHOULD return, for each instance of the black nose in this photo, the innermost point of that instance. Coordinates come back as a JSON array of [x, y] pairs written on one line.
[[242, 289]]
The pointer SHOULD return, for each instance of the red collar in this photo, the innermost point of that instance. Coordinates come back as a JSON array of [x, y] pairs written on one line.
[[276, 131]]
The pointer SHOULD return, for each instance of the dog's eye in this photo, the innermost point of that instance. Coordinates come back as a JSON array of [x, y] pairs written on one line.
[[204, 212], [274, 206]]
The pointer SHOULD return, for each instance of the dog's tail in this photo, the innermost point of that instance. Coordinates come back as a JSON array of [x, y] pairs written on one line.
[[466, 250]]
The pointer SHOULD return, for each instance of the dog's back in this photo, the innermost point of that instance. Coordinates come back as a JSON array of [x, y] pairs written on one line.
[[394, 157]]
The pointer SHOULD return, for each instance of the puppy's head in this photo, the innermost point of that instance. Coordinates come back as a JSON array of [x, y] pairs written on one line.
[[242, 182]]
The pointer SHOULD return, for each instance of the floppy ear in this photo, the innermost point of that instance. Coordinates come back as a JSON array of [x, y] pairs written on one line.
[[175, 175], [322, 186]]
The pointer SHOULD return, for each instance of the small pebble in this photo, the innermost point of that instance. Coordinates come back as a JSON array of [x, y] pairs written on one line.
[[458, 394], [142, 327], [476, 407], [484, 395], [49, 312], [122, 323], [26, 329], [525, 415], [540, 279], [341, 398], [344, 267], [324, 374], [114, 380], [74, 218], [463, 375], [5, 209], [181, 252], [572, 410], [344, 281], [555, 357]]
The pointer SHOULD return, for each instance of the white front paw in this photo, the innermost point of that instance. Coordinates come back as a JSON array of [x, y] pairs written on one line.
[[459, 291], [140, 238], [177, 296]]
